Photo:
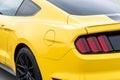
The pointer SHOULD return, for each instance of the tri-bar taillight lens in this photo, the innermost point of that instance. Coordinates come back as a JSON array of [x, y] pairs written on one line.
[[93, 44]]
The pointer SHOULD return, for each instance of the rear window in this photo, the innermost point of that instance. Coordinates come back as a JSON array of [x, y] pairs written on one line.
[[88, 7]]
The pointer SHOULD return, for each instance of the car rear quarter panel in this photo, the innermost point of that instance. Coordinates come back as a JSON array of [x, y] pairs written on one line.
[[35, 34], [32, 33]]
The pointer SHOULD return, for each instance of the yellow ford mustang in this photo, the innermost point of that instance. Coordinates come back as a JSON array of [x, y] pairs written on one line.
[[60, 39]]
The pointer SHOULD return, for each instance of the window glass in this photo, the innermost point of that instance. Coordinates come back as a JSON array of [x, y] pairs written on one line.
[[88, 7], [28, 8], [9, 7]]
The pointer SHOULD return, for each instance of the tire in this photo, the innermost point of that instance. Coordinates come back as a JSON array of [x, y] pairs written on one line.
[[26, 66]]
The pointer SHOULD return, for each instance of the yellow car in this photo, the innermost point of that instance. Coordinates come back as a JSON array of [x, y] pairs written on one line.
[[60, 39]]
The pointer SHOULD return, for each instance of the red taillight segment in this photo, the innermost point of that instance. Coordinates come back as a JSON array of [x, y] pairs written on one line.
[[82, 45], [106, 46], [93, 44]]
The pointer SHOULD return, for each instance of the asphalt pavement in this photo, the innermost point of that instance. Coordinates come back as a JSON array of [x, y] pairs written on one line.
[[6, 76]]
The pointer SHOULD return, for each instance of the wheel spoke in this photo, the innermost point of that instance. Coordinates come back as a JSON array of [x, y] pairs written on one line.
[[32, 78], [25, 77], [21, 61], [30, 68], [26, 61], [20, 72], [20, 66]]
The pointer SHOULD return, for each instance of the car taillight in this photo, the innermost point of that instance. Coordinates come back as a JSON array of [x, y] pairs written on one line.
[[93, 44], [105, 44], [82, 45]]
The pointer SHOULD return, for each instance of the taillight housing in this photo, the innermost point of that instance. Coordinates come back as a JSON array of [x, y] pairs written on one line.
[[99, 43]]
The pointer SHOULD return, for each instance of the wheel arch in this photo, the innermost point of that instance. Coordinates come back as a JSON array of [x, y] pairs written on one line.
[[20, 44], [17, 49]]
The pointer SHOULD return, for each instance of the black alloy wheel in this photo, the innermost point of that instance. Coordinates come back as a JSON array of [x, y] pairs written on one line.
[[26, 66]]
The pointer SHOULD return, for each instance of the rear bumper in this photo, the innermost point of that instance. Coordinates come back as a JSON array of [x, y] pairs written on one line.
[[99, 66], [75, 66]]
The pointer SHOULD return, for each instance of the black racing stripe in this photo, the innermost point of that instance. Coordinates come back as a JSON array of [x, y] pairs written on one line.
[[115, 17]]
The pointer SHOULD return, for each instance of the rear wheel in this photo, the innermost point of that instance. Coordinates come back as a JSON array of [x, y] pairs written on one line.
[[26, 66]]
